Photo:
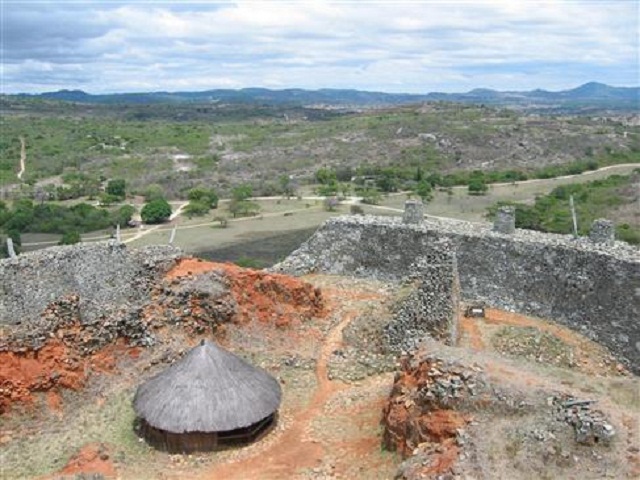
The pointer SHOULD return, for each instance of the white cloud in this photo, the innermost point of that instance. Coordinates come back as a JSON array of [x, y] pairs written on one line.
[[395, 46]]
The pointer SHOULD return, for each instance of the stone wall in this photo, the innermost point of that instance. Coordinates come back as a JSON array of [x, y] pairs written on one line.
[[593, 288], [103, 276]]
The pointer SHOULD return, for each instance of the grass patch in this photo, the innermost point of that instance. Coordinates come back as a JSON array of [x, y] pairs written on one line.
[[111, 423], [533, 344]]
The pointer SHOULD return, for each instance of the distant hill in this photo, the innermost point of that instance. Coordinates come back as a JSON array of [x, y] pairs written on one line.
[[591, 95]]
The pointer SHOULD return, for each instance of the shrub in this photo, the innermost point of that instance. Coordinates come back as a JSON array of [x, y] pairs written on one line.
[[356, 210], [477, 187], [223, 222], [196, 208], [70, 238]]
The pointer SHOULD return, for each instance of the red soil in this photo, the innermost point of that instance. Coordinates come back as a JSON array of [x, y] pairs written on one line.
[[91, 459], [269, 298], [55, 366]]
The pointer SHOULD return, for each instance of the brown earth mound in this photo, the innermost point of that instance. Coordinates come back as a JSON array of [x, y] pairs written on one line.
[[268, 298]]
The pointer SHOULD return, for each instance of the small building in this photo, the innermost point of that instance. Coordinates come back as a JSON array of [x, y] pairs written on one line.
[[475, 311], [208, 399]]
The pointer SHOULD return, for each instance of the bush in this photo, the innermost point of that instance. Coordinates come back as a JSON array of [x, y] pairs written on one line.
[[477, 187], [70, 238], [356, 210], [371, 196], [249, 262], [424, 190], [223, 222], [156, 211], [330, 204]]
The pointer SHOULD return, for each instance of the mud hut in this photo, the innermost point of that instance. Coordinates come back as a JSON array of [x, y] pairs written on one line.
[[208, 399]]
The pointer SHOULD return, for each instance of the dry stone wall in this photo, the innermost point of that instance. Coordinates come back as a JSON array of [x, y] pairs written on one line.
[[591, 287], [103, 277]]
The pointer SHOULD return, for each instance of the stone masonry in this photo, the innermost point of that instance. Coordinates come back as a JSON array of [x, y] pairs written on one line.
[[593, 288], [104, 276]]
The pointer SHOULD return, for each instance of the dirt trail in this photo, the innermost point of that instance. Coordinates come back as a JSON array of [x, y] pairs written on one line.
[[23, 157], [294, 450]]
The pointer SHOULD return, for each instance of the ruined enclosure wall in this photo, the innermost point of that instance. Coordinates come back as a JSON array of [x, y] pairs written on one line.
[[371, 249], [593, 288], [104, 276]]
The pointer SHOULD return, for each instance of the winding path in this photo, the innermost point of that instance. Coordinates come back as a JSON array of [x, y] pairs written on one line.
[[23, 157], [294, 449]]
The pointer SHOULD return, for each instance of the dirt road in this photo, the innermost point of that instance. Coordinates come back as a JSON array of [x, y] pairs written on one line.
[[23, 157]]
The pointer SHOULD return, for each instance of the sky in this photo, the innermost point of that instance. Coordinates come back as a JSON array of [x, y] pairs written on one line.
[[104, 46]]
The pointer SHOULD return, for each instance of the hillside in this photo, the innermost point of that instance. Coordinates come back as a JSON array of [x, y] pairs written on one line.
[[588, 97], [180, 146]]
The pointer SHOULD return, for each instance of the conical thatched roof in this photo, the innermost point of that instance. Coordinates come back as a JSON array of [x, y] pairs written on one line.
[[208, 390]]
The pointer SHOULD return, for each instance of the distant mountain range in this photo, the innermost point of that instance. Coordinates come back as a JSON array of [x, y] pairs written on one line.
[[589, 95]]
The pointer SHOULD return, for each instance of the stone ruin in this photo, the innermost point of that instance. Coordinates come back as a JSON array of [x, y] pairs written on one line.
[[413, 212], [591, 285], [505, 221], [602, 231]]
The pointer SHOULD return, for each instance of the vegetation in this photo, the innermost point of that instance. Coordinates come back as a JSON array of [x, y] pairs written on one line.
[[596, 199], [198, 151], [156, 211], [116, 188], [240, 205], [48, 217], [70, 238]]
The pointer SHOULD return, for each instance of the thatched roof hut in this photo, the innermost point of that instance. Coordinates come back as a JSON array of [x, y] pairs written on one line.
[[207, 399]]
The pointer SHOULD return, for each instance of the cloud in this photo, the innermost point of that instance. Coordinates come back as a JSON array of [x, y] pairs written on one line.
[[107, 46]]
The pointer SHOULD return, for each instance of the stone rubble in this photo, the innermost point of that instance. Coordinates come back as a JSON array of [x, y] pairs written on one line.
[[590, 426]]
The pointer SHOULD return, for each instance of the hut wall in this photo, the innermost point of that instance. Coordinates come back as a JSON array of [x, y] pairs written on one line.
[[191, 442]]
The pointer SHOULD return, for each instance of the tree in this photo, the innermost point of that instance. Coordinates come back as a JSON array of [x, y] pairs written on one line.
[[424, 190], [117, 188], [70, 237], [286, 187], [330, 204], [153, 192], [156, 211], [325, 176], [196, 208], [328, 189], [242, 192], [477, 187], [345, 188], [205, 196], [123, 215], [243, 207]]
